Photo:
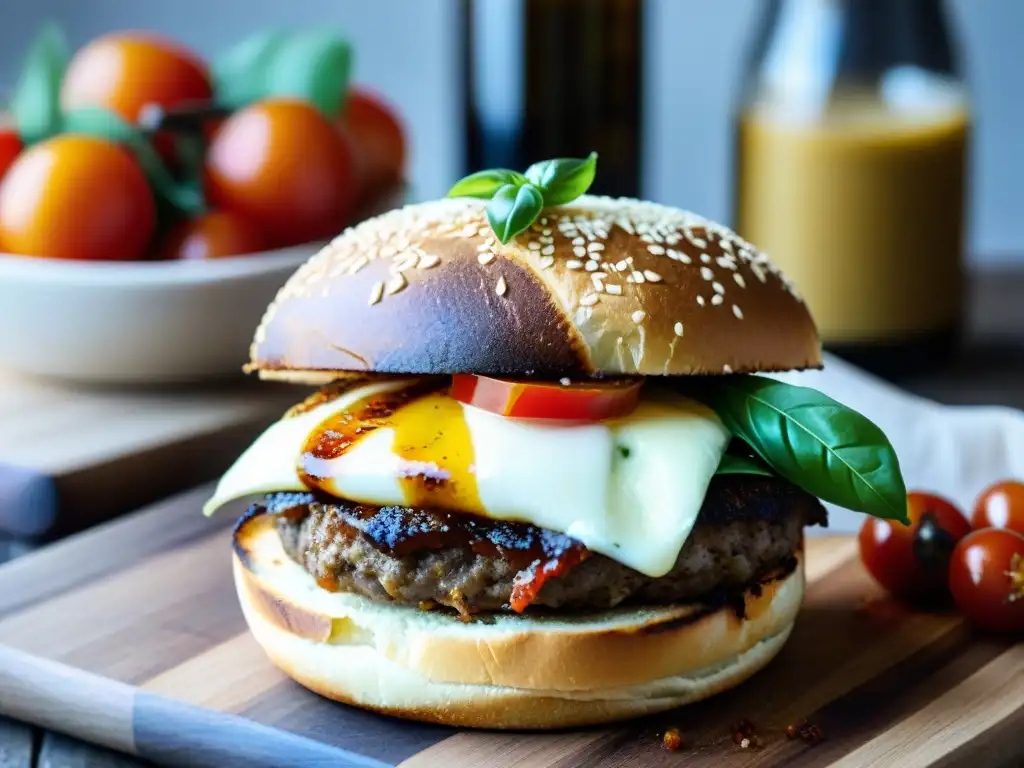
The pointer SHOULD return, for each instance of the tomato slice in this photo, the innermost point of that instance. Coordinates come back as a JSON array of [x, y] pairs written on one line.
[[573, 401]]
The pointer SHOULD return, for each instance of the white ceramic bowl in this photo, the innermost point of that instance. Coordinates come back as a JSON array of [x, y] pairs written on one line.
[[136, 322]]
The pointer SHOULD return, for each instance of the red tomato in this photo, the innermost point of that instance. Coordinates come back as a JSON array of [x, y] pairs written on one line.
[[912, 562], [1000, 506], [125, 72], [584, 401], [986, 577], [281, 163], [211, 236], [378, 139], [10, 148], [76, 197]]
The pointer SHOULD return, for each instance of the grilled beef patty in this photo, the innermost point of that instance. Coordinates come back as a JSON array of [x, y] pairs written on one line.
[[748, 527]]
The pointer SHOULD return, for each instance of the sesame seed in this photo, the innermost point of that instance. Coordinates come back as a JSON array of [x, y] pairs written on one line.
[[589, 300], [626, 225], [739, 280], [579, 241], [718, 287], [609, 268], [546, 262], [595, 247], [638, 277], [622, 265], [395, 284], [376, 293], [534, 245], [705, 258], [717, 299], [404, 263], [591, 265], [483, 247], [546, 240], [547, 250], [428, 260], [574, 264], [485, 258], [358, 264], [646, 238], [726, 262], [699, 242], [759, 272], [546, 232], [579, 251], [502, 287], [652, 276], [615, 290], [707, 273], [543, 219], [657, 250], [700, 300], [678, 328], [597, 279], [638, 316], [737, 311], [725, 244]]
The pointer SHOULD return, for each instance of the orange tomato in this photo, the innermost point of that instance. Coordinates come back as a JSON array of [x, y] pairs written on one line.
[[279, 162], [1000, 506], [378, 139], [10, 148], [912, 561], [212, 236], [986, 578], [76, 197], [124, 72]]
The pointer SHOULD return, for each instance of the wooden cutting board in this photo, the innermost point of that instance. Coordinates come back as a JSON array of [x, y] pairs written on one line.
[[130, 636], [71, 456]]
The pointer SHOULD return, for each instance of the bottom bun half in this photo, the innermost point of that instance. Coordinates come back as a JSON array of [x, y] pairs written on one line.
[[502, 670]]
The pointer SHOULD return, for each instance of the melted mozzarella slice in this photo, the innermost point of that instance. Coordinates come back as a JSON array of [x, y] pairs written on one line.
[[629, 489]]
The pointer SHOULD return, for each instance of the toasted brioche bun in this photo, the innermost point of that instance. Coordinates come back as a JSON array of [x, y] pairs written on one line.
[[601, 286], [502, 671]]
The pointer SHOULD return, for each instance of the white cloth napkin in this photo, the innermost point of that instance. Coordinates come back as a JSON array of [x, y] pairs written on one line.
[[954, 451]]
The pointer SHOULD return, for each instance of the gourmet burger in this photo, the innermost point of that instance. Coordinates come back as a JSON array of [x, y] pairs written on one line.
[[542, 484]]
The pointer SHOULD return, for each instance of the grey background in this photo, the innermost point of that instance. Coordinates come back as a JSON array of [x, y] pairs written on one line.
[[408, 49]]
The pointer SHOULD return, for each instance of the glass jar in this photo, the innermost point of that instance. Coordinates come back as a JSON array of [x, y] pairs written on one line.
[[851, 169]]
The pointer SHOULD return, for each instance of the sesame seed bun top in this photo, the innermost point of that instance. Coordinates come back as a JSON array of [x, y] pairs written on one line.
[[600, 286]]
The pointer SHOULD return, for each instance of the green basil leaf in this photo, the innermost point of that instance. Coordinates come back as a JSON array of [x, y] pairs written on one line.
[[734, 464], [813, 441], [483, 184], [240, 72], [513, 209], [312, 66], [565, 179], [107, 125], [35, 102]]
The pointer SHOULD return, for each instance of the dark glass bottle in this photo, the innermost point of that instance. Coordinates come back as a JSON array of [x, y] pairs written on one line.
[[555, 78], [851, 166]]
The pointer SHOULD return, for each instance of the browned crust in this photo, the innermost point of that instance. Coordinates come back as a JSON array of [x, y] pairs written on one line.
[[428, 289], [647, 644]]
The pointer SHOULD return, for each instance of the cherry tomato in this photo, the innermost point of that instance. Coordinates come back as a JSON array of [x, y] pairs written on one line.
[[10, 148], [986, 578], [912, 562], [76, 197], [125, 72], [211, 236], [378, 140], [281, 163], [1000, 506], [584, 401]]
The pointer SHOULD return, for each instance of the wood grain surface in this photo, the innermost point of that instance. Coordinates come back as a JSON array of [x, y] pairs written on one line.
[[72, 456], [129, 636]]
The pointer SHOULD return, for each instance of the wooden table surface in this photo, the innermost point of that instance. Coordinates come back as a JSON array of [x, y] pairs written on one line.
[[989, 370]]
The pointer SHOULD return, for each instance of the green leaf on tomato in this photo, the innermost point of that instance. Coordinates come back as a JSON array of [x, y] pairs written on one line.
[[104, 124], [513, 209], [35, 103], [240, 72], [313, 66], [827, 449]]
